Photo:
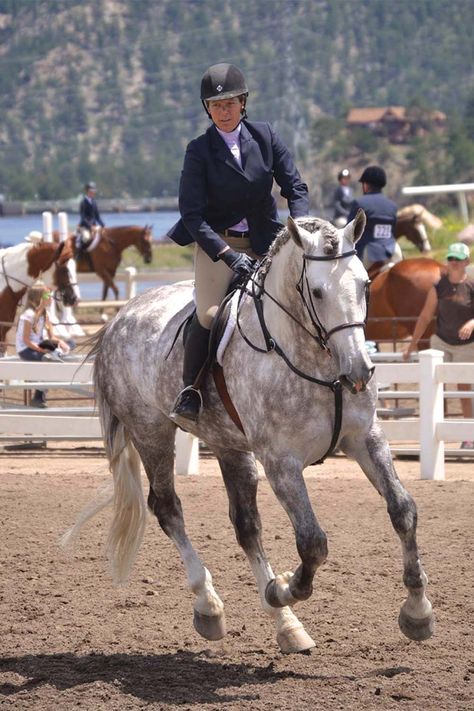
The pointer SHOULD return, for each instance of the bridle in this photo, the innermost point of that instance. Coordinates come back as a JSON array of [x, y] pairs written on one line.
[[255, 288]]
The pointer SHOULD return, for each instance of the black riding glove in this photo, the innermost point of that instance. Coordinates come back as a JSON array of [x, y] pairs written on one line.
[[240, 263]]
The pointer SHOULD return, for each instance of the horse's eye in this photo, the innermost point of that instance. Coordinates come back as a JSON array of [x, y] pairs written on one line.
[[317, 293]]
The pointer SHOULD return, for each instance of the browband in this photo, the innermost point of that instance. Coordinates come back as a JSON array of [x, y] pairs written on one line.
[[327, 258]]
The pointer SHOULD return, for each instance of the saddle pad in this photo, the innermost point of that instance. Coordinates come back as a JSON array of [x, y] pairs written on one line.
[[95, 241], [229, 327]]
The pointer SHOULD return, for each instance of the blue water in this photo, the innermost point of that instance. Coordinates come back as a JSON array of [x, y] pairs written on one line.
[[14, 229]]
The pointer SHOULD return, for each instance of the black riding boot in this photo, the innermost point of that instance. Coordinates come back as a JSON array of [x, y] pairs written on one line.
[[189, 401]]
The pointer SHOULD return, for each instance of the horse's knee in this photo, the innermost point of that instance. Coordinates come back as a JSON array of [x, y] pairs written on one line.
[[247, 526], [166, 507], [403, 513]]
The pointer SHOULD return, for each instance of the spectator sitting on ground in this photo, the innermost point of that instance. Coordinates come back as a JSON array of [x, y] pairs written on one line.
[[30, 342]]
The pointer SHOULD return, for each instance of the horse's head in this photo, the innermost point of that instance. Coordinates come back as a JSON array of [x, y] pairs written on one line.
[[62, 278], [144, 244], [333, 286]]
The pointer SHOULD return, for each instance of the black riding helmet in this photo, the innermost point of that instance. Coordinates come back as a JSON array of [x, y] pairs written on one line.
[[90, 186], [344, 173], [223, 81], [374, 175]]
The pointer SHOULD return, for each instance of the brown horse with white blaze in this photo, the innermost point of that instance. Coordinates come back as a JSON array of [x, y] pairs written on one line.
[[21, 266], [105, 257]]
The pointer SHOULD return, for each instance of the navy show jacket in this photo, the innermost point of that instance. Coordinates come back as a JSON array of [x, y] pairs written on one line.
[[89, 213], [215, 193]]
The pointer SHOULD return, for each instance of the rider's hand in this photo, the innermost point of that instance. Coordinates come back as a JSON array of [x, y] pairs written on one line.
[[240, 263]]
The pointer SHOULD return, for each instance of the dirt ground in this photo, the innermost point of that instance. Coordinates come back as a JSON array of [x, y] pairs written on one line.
[[69, 639]]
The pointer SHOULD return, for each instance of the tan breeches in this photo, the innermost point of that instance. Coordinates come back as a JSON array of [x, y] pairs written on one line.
[[212, 279]]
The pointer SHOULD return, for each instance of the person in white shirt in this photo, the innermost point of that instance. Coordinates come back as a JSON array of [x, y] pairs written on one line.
[[33, 325]]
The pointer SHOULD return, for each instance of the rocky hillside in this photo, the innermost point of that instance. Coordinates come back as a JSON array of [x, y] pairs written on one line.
[[109, 89]]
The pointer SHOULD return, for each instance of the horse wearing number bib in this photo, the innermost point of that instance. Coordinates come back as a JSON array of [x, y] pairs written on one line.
[[299, 377]]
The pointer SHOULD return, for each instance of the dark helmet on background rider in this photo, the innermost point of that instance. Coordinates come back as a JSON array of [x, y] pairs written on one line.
[[344, 173], [223, 81], [374, 175], [90, 186]]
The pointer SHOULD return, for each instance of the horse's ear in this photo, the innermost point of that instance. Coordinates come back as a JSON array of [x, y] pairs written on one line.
[[59, 250], [353, 231], [294, 232]]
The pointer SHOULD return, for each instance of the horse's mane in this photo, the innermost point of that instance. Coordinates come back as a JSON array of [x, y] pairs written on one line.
[[310, 224]]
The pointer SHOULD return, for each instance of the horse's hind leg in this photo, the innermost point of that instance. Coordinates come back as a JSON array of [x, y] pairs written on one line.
[[416, 619], [241, 479], [158, 460]]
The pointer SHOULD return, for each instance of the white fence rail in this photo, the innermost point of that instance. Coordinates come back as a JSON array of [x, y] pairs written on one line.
[[460, 189], [66, 423], [430, 429]]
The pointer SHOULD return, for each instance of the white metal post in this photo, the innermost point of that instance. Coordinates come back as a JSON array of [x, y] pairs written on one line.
[[63, 226], [131, 285], [431, 412], [47, 227], [187, 453]]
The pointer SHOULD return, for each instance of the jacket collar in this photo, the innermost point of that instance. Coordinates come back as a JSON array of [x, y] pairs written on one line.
[[222, 152]]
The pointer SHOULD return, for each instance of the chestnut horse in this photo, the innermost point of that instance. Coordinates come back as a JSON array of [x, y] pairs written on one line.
[[412, 221], [105, 258], [401, 292], [21, 266]]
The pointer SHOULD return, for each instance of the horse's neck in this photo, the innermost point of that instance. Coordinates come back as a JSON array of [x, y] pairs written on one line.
[[122, 237], [41, 261], [14, 268], [290, 334], [280, 284]]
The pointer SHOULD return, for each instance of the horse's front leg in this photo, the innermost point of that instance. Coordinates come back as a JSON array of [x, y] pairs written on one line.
[[286, 478], [241, 480], [416, 619], [158, 460], [107, 282]]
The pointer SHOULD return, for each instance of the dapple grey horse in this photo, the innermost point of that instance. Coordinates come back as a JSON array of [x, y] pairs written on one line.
[[299, 377]]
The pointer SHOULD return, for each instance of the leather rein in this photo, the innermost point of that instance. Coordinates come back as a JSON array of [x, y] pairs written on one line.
[[321, 335]]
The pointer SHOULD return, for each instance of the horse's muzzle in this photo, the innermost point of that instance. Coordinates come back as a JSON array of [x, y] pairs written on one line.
[[359, 385]]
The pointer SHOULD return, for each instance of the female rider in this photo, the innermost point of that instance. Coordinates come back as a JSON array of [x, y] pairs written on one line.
[[227, 208]]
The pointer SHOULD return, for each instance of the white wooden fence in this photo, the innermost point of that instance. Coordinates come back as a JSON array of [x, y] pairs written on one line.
[[65, 423], [460, 189], [430, 429]]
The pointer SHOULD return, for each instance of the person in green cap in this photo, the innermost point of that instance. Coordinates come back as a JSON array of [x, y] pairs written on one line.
[[451, 300]]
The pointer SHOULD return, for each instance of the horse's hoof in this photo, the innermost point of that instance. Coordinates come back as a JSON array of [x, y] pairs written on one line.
[[294, 640], [417, 630], [211, 628]]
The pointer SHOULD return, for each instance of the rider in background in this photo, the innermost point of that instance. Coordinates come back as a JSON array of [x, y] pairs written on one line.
[[89, 218], [451, 300], [342, 198], [378, 242], [227, 208]]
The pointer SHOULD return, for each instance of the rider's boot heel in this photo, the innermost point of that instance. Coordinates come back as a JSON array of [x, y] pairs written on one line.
[[189, 401]]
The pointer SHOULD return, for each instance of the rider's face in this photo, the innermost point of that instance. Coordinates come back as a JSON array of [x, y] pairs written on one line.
[[225, 113]]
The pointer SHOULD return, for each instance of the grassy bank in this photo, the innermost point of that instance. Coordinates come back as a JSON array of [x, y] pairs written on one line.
[[172, 256]]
